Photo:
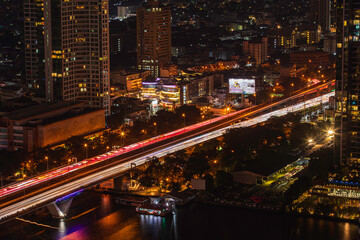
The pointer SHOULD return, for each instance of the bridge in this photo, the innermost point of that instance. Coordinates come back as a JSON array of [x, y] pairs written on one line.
[[47, 188]]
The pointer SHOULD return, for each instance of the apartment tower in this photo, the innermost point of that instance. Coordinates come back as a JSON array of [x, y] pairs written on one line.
[[67, 50], [153, 37], [320, 13], [347, 114]]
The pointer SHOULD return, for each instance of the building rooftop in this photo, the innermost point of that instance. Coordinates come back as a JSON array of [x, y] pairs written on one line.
[[68, 115], [33, 111]]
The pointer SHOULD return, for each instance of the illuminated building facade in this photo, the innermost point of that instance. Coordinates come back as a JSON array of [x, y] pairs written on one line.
[[170, 96], [281, 38], [171, 93], [150, 90], [67, 50], [153, 37], [310, 32], [347, 118]]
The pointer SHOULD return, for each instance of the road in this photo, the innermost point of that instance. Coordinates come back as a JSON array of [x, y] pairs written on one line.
[[283, 180], [22, 196]]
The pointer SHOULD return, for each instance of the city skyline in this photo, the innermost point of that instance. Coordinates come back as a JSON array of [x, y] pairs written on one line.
[[158, 119]]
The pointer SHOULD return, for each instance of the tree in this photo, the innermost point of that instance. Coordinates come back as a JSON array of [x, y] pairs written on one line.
[[223, 179], [209, 182], [11, 161], [146, 180], [198, 164], [115, 120], [192, 114], [301, 133], [321, 161]]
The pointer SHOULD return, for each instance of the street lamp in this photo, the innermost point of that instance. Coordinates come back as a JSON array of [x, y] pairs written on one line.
[[183, 115], [47, 163], [310, 140], [2, 184], [122, 134], [155, 128], [107, 148], [69, 160], [330, 132], [86, 150]]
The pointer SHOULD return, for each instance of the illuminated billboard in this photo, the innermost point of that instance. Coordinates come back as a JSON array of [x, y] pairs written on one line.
[[239, 85]]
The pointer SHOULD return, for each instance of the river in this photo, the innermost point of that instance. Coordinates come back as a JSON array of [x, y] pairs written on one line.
[[97, 216]]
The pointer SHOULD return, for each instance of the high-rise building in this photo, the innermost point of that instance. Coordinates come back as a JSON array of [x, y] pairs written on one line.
[[67, 50], [347, 96], [320, 13], [153, 37]]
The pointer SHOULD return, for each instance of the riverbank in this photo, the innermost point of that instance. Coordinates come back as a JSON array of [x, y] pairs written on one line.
[[279, 211], [254, 204]]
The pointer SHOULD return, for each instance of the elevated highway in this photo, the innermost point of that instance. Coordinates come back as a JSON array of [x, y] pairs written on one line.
[[35, 192]]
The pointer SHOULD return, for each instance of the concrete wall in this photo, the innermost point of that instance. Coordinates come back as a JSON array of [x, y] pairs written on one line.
[[80, 125]]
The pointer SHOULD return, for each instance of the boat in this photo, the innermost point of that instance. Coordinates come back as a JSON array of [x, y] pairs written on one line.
[[130, 200], [156, 207]]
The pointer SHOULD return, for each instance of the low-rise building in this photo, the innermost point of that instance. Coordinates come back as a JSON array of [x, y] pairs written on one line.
[[130, 79], [316, 58], [48, 124], [173, 92]]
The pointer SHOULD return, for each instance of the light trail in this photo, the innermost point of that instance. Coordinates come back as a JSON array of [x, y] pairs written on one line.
[[41, 198], [35, 223], [19, 186]]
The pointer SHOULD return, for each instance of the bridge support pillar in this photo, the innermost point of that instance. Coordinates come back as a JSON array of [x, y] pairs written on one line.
[[60, 209], [119, 182]]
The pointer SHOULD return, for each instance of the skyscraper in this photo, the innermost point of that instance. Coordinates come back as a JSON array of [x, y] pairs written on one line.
[[67, 50], [320, 13], [153, 37], [347, 115]]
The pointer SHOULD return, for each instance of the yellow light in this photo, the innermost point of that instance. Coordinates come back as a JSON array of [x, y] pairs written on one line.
[[330, 132]]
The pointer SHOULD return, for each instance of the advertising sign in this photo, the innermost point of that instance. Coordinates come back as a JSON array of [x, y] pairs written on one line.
[[245, 86]]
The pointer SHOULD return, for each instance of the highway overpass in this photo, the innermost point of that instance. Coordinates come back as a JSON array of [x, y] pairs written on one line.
[[35, 192]]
